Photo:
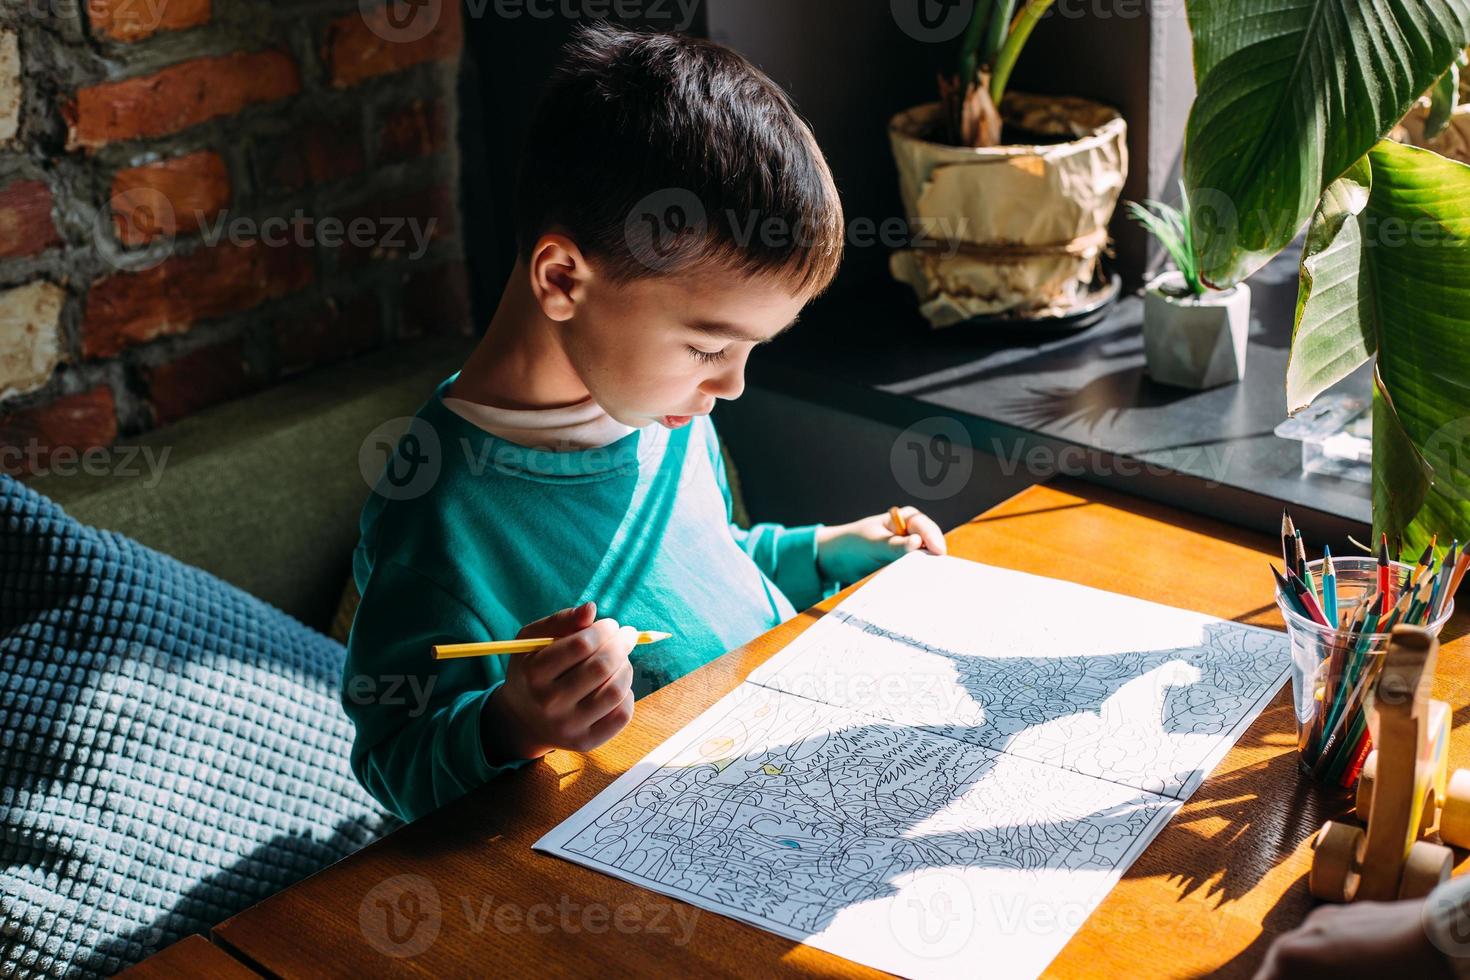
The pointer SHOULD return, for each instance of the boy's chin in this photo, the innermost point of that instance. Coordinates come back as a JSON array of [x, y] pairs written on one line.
[[635, 420], [639, 420]]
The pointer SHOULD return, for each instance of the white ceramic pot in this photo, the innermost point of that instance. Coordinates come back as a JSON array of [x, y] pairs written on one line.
[[1195, 341]]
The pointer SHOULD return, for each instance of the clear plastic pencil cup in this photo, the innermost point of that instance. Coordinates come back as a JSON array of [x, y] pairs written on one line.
[[1333, 671]]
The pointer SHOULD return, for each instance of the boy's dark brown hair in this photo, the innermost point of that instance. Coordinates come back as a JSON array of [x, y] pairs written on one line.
[[658, 153]]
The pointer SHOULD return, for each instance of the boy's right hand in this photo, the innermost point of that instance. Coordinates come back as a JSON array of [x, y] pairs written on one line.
[[573, 694]]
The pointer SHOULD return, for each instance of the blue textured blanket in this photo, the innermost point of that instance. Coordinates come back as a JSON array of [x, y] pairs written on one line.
[[172, 749]]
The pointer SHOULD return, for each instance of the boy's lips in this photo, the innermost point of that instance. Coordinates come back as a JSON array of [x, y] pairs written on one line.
[[675, 422], [678, 422]]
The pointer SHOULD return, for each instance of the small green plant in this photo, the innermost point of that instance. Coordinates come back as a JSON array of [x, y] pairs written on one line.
[[1172, 227], [991, 44]]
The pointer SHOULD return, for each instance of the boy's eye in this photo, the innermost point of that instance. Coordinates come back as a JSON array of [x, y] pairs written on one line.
[[706, 356]]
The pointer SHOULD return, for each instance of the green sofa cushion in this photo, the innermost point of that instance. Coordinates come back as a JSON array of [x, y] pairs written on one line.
[[265, 492]]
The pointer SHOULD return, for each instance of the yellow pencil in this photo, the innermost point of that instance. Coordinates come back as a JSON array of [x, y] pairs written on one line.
[[900, 526], [451, 651]]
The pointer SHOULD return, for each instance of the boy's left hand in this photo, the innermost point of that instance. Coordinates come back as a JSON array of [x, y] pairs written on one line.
[[847, 552]]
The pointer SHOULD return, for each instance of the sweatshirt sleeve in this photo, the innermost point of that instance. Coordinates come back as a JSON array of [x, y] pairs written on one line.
[[418, 735], [1447, 923], [787, 555]]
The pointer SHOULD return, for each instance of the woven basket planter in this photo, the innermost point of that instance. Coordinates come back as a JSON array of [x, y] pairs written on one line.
[[1013, 229], [1453, 142]]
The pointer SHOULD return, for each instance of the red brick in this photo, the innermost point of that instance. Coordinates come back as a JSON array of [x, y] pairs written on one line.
[[80, 422], [394, 216], [363, 45], [178, 97], [436, 301], [25, 219], [414, 130], [316, 154], [199, 379], [169, 197], [333, 330], [133, 20], [135, 307]]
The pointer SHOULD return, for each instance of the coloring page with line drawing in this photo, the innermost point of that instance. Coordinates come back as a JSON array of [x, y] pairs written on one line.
[[1103, 684], [941, 777]]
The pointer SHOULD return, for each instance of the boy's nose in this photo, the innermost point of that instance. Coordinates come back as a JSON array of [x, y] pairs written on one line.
[[727, 384]]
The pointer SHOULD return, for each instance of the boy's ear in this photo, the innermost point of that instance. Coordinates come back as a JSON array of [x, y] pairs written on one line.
[[559, 276]]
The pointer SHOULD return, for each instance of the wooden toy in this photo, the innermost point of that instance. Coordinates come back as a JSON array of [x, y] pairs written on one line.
[[1404, 786]]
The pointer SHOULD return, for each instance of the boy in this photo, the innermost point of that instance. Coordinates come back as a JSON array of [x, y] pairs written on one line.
[[572, 459]]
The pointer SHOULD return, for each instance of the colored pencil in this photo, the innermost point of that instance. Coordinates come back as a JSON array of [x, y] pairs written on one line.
[[1338, 728], [1329, 587], [1304, 570], [1385, 587], [900, 526], [1420, 603], [1288, 537], [1359, 757], [1307, 599], [453, 651], [1283, 587], [1442, 580], [1421, 566], [1460, 567]]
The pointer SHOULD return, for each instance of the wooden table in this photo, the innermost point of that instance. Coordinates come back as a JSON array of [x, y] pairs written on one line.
[[194, 957], [1225, 876]]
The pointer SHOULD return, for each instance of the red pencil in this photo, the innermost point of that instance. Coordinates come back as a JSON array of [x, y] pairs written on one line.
[[1307, 599], [1360, 755], [1384, 584]]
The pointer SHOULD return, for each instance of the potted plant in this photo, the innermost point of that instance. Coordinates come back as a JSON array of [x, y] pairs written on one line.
[[1193, 336], [1385, 269], [1012, 193], [1440, 120]]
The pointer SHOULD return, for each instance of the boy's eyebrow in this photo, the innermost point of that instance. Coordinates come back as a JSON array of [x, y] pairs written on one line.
[[718, 328]]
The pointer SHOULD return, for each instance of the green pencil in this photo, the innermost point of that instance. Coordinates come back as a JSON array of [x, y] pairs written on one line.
[[1305, 572], [1329, 587]]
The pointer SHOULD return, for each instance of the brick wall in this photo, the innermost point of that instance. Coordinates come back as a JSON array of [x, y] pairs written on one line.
[[199, 198]]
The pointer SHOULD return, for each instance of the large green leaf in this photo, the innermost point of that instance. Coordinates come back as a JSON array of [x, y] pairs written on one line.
[[1291, 94], [1401, 479], [1388, 272], [1334, 328]]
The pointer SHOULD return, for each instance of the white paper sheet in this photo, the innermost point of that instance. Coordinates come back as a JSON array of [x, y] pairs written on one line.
[[941, 777]]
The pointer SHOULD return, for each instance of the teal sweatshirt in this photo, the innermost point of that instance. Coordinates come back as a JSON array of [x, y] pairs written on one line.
[[468, 537]]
